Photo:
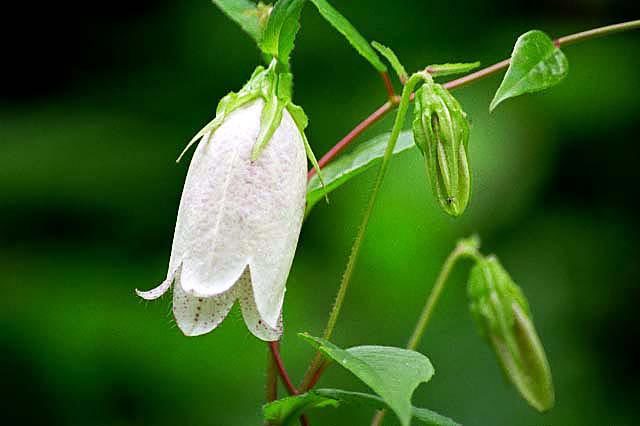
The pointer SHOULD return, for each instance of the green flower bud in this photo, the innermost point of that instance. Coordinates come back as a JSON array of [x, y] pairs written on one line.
[[502, 313], [441, 131]]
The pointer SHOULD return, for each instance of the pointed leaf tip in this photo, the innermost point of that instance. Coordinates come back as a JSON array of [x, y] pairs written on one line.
[[536, 64], [393, 373]]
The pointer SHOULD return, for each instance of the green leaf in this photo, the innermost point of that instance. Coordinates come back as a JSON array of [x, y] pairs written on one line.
[[251, 17], [426, 416], [286, 411], [349, 165], [392, 373], [340, 23], [282, 27], [536, 64], [440, 70], [391, 56]]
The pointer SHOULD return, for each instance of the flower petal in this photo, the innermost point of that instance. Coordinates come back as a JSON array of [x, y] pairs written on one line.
[[277, 198], [255, 324], [198, 315], [158, 291], [210, 236]]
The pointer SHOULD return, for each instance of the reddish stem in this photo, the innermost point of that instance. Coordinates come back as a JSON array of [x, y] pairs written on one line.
[[475, 76], [286, 380], [388, 85], [352, 135], [315, 377]]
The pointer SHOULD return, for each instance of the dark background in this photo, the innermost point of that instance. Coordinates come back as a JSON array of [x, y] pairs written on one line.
[[97, 100]]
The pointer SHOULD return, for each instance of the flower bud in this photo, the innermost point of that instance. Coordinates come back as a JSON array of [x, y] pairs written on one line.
[[502, 313], [441, 131]]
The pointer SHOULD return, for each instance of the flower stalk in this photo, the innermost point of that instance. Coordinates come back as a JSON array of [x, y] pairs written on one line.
[[467, 248], [317, 364]]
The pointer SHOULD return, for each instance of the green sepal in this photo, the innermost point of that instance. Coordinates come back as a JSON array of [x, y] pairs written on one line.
[[269, 123], [301, 120], [502, 314], [393, 60], [440, 70], [275, 89], [226, 105]]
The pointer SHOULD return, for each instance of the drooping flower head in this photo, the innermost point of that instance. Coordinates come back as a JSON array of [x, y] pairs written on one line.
[[241, 211]]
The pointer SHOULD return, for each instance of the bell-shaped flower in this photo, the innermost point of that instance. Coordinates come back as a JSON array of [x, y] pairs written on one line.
[[239, 220]]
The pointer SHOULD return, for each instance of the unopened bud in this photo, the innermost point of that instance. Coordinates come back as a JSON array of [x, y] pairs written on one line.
[[441, 131], [502, 314]]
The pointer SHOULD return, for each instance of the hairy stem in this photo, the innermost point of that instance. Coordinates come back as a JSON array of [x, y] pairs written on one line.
[[464, 248], [271, 383], [317, 364], [282, 371], [463, 81]]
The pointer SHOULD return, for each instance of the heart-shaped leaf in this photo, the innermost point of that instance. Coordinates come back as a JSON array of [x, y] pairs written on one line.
[[536, 64], [392, 373]]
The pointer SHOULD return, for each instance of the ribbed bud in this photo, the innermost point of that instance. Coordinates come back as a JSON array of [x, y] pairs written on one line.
[[502, 313], [441, 131]]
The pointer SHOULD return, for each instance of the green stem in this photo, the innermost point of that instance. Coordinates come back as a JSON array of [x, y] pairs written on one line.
[[362, 230], [465, 248], [317, 364]]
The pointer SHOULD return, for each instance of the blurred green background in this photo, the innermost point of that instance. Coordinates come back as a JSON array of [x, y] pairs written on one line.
[[99, 99]]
